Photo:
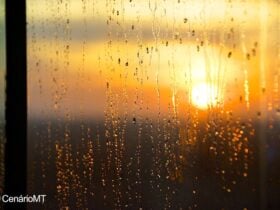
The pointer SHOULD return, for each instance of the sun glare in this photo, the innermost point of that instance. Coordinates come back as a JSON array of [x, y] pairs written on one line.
[[204, 95]]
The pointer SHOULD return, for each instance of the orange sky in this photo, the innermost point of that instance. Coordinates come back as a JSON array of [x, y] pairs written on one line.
[[137, 56]]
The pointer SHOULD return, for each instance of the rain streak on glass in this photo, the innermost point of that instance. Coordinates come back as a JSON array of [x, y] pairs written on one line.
[[154, 104]]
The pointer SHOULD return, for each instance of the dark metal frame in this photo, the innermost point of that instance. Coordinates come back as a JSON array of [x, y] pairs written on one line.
[[16, 101]]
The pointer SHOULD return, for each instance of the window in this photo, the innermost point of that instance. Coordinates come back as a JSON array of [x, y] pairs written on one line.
[[154, 104]]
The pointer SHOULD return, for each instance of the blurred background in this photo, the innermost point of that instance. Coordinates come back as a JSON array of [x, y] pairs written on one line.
[[154, 104]]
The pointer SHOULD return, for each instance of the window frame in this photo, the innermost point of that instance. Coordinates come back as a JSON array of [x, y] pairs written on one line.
[[16, 101]]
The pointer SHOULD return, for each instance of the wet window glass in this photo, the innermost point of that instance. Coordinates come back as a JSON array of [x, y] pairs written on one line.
[[2, 91], [154, 104]]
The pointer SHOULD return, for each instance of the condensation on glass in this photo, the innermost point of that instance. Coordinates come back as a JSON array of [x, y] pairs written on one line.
[[154, 104], [2, 92]]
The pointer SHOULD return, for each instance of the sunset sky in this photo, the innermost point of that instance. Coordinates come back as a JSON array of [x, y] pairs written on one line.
[[80, 57]]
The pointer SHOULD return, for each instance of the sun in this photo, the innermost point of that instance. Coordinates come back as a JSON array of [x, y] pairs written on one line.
[[204, 95]]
